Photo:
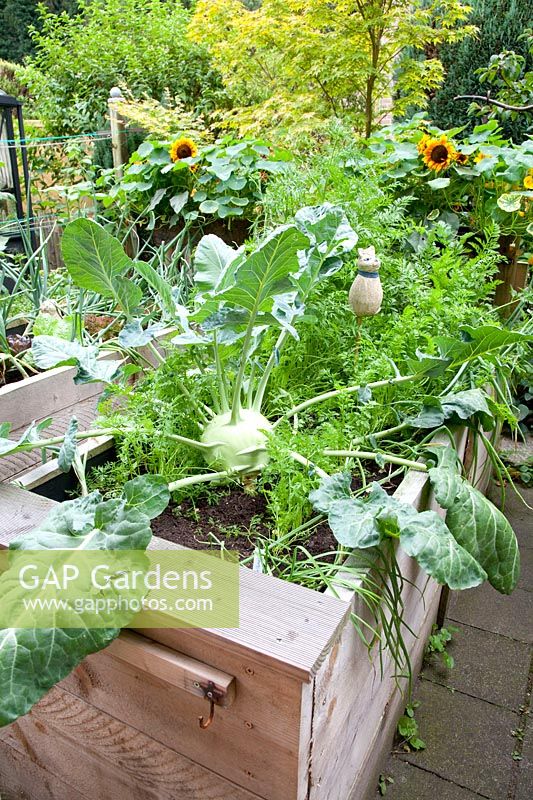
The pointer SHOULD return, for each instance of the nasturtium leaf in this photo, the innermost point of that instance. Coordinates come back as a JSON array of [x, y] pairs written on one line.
[[439, 183], [148, 493], [510, 201], [333, 487], [67, 451]]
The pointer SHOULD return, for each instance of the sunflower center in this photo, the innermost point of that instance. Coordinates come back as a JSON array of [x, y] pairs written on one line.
[[183, 151], [439, 154]]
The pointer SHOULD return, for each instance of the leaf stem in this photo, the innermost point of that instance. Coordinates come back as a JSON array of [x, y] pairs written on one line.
[[306, 463], [260, 394], [403, 462], [319, 398], [221, 378], [205, 477]]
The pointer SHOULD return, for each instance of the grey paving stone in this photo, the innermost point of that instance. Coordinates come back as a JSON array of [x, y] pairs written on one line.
[[412, 783], [485, 608], [526, 569], [487, 666], [520, 517], [468, 741]]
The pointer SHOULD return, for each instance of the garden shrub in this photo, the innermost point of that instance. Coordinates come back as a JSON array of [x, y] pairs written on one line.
[[500, 24], [140, 44]]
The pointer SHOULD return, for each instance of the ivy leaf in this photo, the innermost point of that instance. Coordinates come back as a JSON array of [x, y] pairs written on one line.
[[67, 451], [334, 487]]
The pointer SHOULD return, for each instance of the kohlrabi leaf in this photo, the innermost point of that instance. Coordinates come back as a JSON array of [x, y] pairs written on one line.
[[331, 237], [354, 523], [484, 532], [34, 660], [476, 342], [50, 351], [31, 434], [148, 493], [428, 539], [211, 259], [134, 335], [265, 272], [158, 284], [469, 405], [476, 523], [333, 487], [96, 261], [67, 451]]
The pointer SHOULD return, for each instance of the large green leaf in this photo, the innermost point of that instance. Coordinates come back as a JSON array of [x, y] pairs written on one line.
[[96, 261], [211, 259], [332, 487], [476, 524], [265, 272], [476, 342], [33, 660], [428, 539], [51, 351], [470, 405]]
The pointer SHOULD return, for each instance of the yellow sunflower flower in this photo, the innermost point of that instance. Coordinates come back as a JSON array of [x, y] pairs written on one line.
[[461, 158], [439, 153], [183, 148], [421, 146], [528, 180]]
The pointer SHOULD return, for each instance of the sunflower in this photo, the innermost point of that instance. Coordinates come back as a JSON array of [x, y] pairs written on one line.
[[461, 158], [438, 153], [421, 146], [182, 148], [528, 180]]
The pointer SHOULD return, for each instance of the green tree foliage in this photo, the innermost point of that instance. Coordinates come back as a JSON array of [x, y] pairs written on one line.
[[16, 17], [501, 24], [140, 44], [288, 64]]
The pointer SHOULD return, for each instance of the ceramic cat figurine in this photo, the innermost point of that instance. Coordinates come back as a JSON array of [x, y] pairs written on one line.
[[366, 293]]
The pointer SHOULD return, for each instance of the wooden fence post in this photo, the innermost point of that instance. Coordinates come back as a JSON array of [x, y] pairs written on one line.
[[118, 134]]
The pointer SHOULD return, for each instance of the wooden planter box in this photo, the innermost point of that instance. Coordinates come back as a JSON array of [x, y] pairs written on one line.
[[52, 394], [306, 713]]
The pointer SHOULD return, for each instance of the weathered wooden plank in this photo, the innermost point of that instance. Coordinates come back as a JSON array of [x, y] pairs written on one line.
[[23, 779], [20, 512], [351, 695], [103, 758], [45, 394], [171, 667], [13, 467], [259, 729]]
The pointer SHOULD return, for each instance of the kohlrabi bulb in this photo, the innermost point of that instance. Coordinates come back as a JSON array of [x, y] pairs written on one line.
[[236, 446]]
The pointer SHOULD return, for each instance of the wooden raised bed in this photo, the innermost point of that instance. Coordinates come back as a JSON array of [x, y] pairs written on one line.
[[306, 714], [52, 394]]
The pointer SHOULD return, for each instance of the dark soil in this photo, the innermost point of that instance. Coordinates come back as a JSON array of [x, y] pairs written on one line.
[[237, 519]]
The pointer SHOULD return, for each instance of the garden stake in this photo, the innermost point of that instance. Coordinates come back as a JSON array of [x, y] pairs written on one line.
[[366, 293]]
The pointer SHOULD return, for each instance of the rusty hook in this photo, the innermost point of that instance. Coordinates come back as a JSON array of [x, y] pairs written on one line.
[[205, 723]]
